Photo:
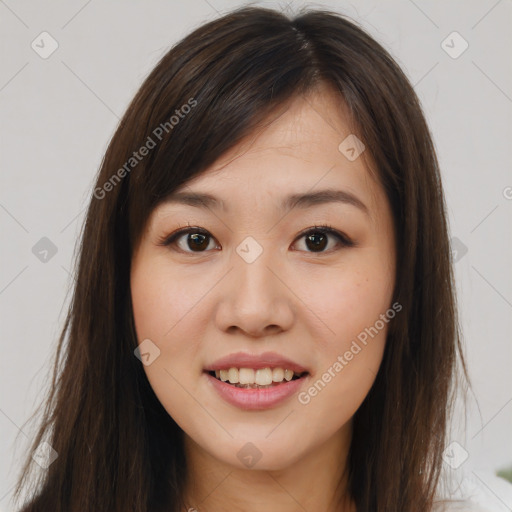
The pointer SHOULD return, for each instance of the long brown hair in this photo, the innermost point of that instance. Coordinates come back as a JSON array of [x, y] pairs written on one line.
[[118, 449]]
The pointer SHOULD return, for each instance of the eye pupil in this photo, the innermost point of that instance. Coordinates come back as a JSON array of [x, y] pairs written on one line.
[[314, 238], [198, 241]]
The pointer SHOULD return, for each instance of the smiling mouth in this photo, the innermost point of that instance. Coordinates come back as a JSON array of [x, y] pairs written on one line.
[[249, 378]]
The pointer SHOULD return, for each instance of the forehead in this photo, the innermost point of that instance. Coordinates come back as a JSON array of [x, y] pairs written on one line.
[[296, 151]]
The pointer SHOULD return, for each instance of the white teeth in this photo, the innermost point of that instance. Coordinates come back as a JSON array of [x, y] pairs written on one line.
[[246, 375], [277, 375], [260, 377], [233, 375], [263, 377]]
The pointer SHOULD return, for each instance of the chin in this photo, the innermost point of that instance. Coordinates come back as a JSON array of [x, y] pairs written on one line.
[[258, 453]]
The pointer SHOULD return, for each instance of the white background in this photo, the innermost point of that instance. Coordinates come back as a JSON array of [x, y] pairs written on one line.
[[58, 114]]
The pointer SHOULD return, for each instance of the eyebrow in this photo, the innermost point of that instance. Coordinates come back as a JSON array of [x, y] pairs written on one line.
[[305, 200]]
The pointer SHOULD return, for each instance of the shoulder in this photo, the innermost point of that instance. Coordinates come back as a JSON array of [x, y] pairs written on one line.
[[483, 492]]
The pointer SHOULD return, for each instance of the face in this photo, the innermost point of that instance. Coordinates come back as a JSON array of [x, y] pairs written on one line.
[[260, 287]]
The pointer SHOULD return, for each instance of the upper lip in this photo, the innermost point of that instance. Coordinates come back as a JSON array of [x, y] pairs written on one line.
[[256, 361]]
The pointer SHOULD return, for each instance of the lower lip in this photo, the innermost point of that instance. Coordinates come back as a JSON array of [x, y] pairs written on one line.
[[256, 399]]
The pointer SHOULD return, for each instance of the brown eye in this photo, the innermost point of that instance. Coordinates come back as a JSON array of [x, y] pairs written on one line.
[[317, 238], [196, 240], [317, 241]]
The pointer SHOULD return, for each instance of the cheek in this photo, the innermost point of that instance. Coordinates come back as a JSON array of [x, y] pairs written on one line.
[[350, 358], [348, 300], [163, 312], [354, 305], [160, 300]]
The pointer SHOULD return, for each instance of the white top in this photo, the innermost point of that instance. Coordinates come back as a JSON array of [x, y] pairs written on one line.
[[477, 492]]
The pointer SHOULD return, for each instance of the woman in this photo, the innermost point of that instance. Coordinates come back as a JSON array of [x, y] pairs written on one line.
[[264, 311]]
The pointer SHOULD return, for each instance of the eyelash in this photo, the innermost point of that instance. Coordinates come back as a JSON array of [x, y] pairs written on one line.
[[343, 240]]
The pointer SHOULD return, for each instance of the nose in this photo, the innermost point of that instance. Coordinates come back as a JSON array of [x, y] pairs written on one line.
[[255, 299]]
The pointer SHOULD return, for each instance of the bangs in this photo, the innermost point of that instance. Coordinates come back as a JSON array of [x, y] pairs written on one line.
[[201, 109]]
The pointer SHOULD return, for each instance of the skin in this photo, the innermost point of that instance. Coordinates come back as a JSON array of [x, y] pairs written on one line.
[[308, 306]]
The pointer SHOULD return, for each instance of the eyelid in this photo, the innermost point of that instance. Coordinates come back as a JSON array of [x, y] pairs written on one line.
[[343, 239]]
